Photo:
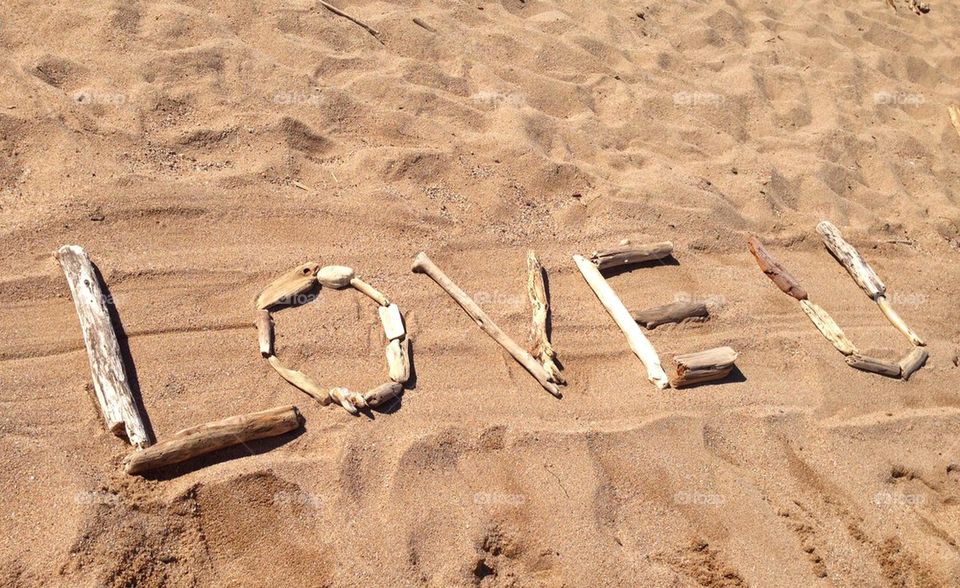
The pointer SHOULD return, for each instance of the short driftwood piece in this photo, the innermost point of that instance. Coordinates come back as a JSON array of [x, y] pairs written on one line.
[[828, 327], [354, 20], [703, 366], [285, 289], [398, 359], [209, 437], [873, 365], [264, 324], [383, 393], [775, 270], [912, 361], [630, 254], [370, 291], [110, 382], [640, 345], [300, 380], [392, 322], [423, 265], [675, 312], [537, 292]]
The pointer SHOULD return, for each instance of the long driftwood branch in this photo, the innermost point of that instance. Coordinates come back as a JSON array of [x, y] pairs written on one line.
[[537, 292], [423, 265], [640, 345], [209, 437], [675, 312], [775, 270], [630, 254], [703, 366], [110, 382], [864, 276], [828, 327]]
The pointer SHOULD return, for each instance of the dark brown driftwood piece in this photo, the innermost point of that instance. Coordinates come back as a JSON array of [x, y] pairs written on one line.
[[775, 270], [703, 366], [630, 254], [674, 312]]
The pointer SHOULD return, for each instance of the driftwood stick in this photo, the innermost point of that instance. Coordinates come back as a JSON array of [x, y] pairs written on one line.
[[537, 292], [876, 366], [392, 322], [358, 22], [863, 275], [110, 382], [674, 312], [285, 289], [954, 111], [203, 439], [264, 324], [635, 338], [335, 276], [912, 361], [828, 327], [630, 254], [300, 380], [419, 22], [775, 270], [398, 359], [383, 393], [703, 366], [423, 265], [370, 291]]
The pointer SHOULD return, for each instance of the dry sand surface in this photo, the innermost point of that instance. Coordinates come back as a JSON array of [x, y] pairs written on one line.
[[197, 150]]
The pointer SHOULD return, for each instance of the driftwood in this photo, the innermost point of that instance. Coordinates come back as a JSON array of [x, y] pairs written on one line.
[[828, 327], [383, 393], [775, 270], [703, 366], [392, 322], [876, 366], [422, 264], [864, 276], [356, 21], [629, 254], [286, 288], [208, 437], [264, 324], [370, 291], [954, 111], [635, 338], [110, 382], [674, 312], [335, 276], [423, 25], [300, 380], [398, 359], [537, 292], [912, 361]]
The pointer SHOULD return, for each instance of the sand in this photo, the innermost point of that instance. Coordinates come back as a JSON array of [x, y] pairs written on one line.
[[198, 150]]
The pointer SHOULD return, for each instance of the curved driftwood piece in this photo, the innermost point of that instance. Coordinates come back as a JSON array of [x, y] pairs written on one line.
[[370, 291], [828, 327], [398, 359], [300, 380], [620, 315], [775, 270], [703, 366], [264, 324], [286, 288], [674, 312], [876, 366], [335, 276], [423, 265], [392, 322], [912, 361], [864, 276], [110, 383], [383, 393], [630, 254], [537, 291], [208, 437]]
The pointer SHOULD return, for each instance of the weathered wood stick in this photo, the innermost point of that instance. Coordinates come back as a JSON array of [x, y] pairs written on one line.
[[300, 380], [537, 292], [954, 111], [828, 327], [423, 265], [873, 365], [392, 322], [635, 338], [775, 270], [675, 312], [348, 399], [630, 254], [358, 22], [863, 274], [424, 25], [383, 393], [703, 366], [110, 382], [912, 361], [209, 437], [370, 291], [398, 359], [264, 324], [286, 288]]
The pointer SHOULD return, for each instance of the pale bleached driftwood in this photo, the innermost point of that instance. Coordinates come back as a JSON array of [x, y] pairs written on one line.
[[703, 366], [209, 437], [422, 264], [335, 276], [954, 111], [640, 345], [912, 361], [285, 289], [828, 327], [370, 291], [356, 21], [110, 382], [537, 292], [864, 276], [392, 322], [629, 254], [674, 312], [264, 324], [876, 366], [775, 270], [348, 400], [398, 359], [383, 393]]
